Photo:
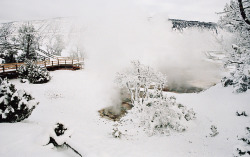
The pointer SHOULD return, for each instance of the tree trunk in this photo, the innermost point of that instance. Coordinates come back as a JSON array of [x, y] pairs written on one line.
[[242, 12], [28, 47]]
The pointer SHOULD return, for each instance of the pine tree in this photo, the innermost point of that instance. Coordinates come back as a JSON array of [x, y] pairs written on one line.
[[28, 41], [8, 47], [33, 72], [15, 105]]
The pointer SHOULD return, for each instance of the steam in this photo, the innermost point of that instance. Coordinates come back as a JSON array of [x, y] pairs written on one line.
[[117, 32]]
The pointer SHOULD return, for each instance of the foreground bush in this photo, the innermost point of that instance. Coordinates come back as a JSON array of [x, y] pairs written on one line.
[[60, 136], [152, 109], [33, 72], [15, 105], [159, 116]]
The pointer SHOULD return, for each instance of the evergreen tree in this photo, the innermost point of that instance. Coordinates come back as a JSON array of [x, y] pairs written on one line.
[[15, 105], [33, 72], [8, 48], [28, 41]]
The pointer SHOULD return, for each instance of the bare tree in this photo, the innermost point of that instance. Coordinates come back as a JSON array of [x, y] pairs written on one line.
[[55, 45]]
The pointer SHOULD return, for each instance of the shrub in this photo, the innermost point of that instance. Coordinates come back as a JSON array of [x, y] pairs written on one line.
[[239, 80], [159, 115], [33, 72], [244, 148], [152, 109], [15, 105], [59, 137]]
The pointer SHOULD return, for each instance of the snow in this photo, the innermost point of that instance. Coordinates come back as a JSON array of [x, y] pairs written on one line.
[[42, 54], [74, 97]]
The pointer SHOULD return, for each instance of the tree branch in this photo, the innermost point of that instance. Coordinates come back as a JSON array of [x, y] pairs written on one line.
[[235, 62]]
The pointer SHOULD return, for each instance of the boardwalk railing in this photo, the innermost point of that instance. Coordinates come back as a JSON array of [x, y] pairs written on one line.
[[60, 62]]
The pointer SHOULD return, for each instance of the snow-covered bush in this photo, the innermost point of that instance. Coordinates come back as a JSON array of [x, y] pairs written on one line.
[[242, 113], [152, 109], [214, 131], [59, 136], [116, 133], [240, 76], [139, 79], [159, 115], [244, 148], [33, 72], [15, 105]]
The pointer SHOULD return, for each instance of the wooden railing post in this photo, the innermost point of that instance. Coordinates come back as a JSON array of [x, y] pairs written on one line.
[[16, 67], [58, 62], [65, 62], [3, 68], [45, 64], [52, 63]]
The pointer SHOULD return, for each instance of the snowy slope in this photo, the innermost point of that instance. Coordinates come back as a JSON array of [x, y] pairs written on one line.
[[74, 97]]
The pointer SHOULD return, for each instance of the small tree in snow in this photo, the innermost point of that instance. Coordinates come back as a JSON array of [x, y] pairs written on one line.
[[15, 105], [152, 109], [33, 72], [28, 41], [139, 79], [8, 47], [59, 137]]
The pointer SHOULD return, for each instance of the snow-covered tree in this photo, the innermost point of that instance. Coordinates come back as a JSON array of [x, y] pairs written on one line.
[[77, 51], [75, 40], [33, 72], [8, 48], [152, 109], [55, 45], [28, 41], [138, 79], [15, 105], [235, 19]]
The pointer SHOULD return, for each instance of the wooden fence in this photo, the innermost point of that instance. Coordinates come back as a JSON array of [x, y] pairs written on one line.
[[60, 62]]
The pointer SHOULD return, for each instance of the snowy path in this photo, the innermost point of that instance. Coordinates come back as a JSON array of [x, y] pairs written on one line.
[[77, 97]]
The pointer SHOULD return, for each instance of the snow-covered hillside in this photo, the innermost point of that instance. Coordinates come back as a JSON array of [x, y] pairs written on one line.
[[74, 97]]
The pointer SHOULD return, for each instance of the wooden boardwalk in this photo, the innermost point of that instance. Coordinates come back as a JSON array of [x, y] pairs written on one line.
[[10, 69]]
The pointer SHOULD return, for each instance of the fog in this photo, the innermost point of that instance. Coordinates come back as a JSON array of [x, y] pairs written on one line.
[[114, 33], [16, 10], [120, 32]]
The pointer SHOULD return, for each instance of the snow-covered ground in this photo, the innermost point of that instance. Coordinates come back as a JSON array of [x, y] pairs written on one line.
[[74, 97]]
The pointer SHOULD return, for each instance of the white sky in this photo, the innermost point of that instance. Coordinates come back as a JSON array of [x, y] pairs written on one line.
[[17, 10]]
